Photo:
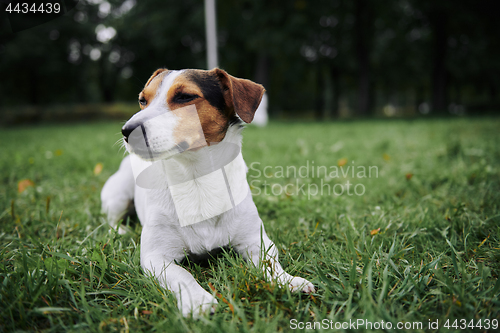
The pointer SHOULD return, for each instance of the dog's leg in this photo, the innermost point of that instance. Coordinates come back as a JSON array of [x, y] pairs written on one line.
[[158, 252], [118, 194], [263, 252]]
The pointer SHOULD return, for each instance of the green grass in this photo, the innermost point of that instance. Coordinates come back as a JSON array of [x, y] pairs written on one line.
[[436, 255]]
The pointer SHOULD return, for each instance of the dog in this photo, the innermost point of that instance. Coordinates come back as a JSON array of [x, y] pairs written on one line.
[[186, 176]]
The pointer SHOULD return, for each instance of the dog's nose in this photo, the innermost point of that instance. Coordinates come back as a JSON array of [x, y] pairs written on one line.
[[129, 128]]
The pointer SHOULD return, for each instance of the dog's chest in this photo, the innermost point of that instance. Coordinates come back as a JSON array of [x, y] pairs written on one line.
[[206, 236], [209, 194], [203, 208], [201, 199]]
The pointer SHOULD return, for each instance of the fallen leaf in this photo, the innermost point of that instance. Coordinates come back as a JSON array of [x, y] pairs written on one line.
[[98, 169], [24, 184], [374, 232], [342, 162], [386, 157], [409, 175], [147, 312], [58, 152]]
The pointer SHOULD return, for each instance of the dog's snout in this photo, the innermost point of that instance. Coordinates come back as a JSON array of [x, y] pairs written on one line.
[[129, 128]]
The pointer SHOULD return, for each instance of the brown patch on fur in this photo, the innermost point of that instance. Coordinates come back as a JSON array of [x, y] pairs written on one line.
[[214, 122], [189, 129], [243, 95], [149, 91]]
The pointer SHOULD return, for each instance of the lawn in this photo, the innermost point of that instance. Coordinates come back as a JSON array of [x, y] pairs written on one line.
[[413, 240]]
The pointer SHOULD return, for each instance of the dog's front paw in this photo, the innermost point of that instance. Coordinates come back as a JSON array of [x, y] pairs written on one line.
[[197, 304], [300, 284]]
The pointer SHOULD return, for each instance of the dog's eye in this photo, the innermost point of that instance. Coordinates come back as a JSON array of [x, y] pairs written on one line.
[[184, 98], [142, 101]]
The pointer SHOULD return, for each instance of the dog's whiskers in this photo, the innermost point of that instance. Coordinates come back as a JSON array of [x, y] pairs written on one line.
[[121, 142]]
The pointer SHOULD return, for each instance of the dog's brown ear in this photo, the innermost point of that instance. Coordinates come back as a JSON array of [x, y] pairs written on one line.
[[242, 95], [158, 71]]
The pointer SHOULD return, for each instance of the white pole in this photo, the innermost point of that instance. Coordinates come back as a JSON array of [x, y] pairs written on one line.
[[211, 30]]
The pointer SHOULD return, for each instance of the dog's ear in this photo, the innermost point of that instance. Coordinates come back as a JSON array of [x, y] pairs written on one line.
[[158, 71], [242, 95]]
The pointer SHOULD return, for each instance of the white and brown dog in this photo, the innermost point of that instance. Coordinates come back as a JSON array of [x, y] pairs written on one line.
[[187, 177]]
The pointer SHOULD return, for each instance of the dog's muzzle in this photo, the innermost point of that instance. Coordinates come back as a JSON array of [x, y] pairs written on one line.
[[128, 128]]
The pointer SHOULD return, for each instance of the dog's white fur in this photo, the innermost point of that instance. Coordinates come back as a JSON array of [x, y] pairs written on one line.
[[164, 240]]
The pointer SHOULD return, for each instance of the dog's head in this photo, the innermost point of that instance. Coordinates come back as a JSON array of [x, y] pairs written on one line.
[[188, 109]]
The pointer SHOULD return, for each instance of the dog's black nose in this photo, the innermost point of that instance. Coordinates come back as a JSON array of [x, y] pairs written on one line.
[[129, 128]]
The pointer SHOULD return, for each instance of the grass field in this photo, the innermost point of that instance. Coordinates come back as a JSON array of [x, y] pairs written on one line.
[[420, 243]]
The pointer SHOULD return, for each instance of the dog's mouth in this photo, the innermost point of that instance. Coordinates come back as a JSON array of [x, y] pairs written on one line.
[[138, 142], [148, 154]]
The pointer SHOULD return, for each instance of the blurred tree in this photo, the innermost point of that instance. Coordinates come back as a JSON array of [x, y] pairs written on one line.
[[364, 17], [312, 58]]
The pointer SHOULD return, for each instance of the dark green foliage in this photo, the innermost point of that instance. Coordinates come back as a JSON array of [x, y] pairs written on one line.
[[322, 56]]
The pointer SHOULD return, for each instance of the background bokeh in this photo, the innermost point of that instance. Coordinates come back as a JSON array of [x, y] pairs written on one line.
[[322, 59]]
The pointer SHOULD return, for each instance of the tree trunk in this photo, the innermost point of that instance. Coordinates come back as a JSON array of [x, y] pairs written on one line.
[[34, 96], [363, 31], [493, 93], [33, 79], [335, 73], [262, 74], [419, 96], [262, 70], [320, 103], [107, 79], [439, 74]]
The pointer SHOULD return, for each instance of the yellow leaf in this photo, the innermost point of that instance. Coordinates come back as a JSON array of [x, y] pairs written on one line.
[[98, 169], [386, 157], [58, 152], [374, 232], [24, 184], [342, 162]]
